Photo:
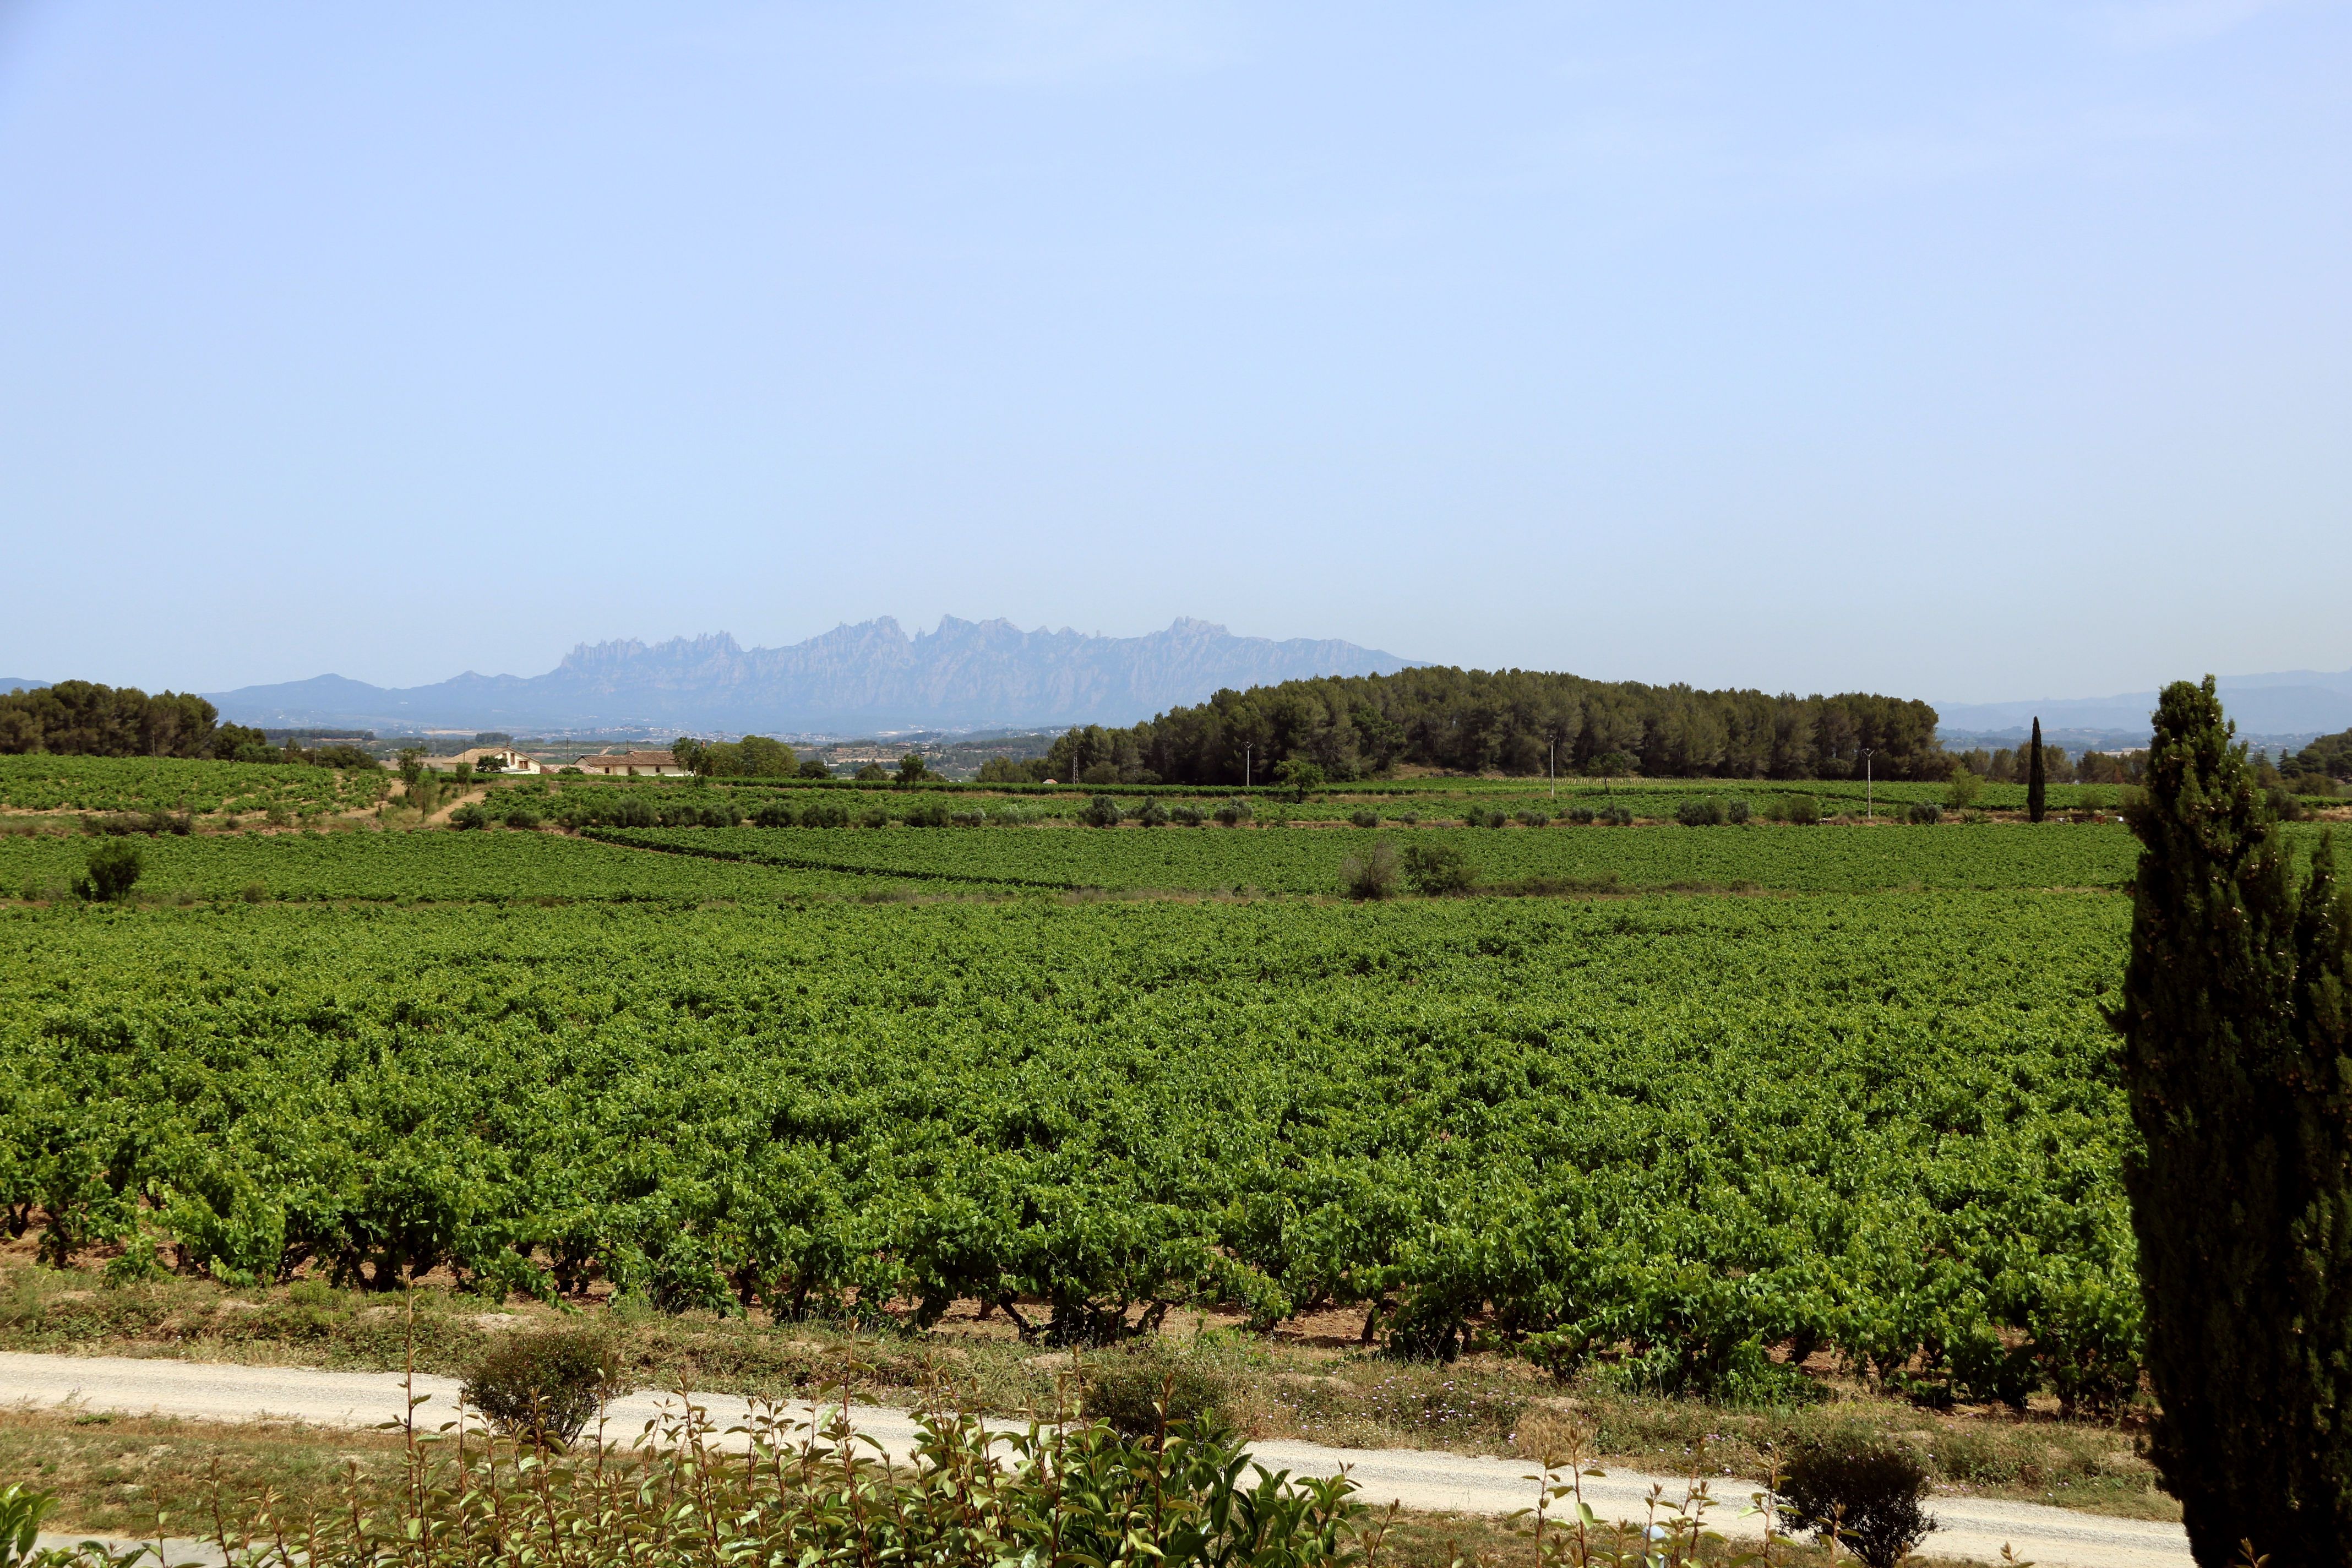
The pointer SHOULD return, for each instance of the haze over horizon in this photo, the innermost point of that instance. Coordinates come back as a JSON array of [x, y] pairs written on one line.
[[1977, 355]]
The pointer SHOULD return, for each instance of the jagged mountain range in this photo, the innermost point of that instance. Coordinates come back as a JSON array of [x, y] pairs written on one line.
[[855, 678]]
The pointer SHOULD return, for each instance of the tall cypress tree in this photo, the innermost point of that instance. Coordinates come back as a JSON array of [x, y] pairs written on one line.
[[2033, 780], [2237, 1025]]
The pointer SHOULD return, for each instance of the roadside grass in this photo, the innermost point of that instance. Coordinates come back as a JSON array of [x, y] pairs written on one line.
[[1291, 1385]]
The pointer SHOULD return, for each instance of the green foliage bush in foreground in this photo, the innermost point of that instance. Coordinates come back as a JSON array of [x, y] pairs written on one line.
[[969, 1497]]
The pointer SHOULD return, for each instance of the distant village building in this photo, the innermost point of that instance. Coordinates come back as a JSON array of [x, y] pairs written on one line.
[[500, 759], [633, 765]]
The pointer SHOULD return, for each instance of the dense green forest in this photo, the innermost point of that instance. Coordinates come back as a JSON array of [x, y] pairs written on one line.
[[1513, 721], [83, 719]]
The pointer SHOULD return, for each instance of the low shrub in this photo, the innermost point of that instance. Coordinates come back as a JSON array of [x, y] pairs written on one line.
[[1926, 812], [1736, 810], [1186, 816], [1365, 818], [774, 814], [1617, 816], [1533, 818], [469, 817], [931, 814], [1701, 811], [1150, 814], [1865, 1493], [1410, 819], [1370, 875], [1801, 810], [873, 817], [109, 870], [1234, 812], [1580, 814], [1101, 812], [1133, 1389], [523, 818], [968, 818], [253, 892], [545, 1385], [1437, 870], [824, 813]]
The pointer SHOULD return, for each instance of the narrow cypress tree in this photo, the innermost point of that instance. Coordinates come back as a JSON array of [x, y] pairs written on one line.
[[2237, 1025], [2033, 781]]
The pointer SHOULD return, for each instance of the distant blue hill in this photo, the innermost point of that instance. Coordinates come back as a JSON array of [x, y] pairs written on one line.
[[855, 678], [21, 683], [2286, 702]]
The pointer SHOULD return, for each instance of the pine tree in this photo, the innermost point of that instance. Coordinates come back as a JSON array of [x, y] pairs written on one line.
[[2237, 1025], [2033, 780]]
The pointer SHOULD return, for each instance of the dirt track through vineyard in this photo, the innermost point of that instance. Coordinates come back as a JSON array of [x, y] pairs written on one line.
[[1971, 1528]]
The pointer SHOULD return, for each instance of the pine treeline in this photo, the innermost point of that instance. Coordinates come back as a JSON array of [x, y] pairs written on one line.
[[2237, 1025], [81, 717], [1513, 721], [2036, 781]]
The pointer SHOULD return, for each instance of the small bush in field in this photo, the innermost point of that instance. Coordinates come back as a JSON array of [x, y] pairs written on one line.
[[1234, 812], [1150, 814], [1926, 812], [1701, 811], [1371, 875], [1803, 810], [1438, 870], [545, 1385], [1736, 810], [1100, 812], [1534, 818], [1366, 817], [109, 870], [1617, 816], [1186, 816], [1581, 814]]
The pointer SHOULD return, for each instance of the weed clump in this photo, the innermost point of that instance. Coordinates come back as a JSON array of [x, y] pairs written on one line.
[[1130, 1389]]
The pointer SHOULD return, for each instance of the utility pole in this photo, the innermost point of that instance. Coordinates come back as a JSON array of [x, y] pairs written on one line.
[[1553, 769], [1245, 765], [1869, 812]]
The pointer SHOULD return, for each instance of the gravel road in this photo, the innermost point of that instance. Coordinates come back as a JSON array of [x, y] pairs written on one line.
[[1971, 1527]]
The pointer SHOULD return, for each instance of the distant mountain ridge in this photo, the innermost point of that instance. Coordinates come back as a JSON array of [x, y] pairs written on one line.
[[2284, 703], [865, 677]]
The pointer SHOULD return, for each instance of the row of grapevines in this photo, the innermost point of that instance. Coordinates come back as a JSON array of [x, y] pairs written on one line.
[[1821, 859], [41, 782], [408, 867], [1670, 1134]]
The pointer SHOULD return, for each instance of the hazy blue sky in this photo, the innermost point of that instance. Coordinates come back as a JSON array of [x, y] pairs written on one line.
[[1962, 349]]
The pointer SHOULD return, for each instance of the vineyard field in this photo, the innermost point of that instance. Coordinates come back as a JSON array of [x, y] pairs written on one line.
[[41, 782], [1668, 1132], [489, 866], [1307, 860]]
